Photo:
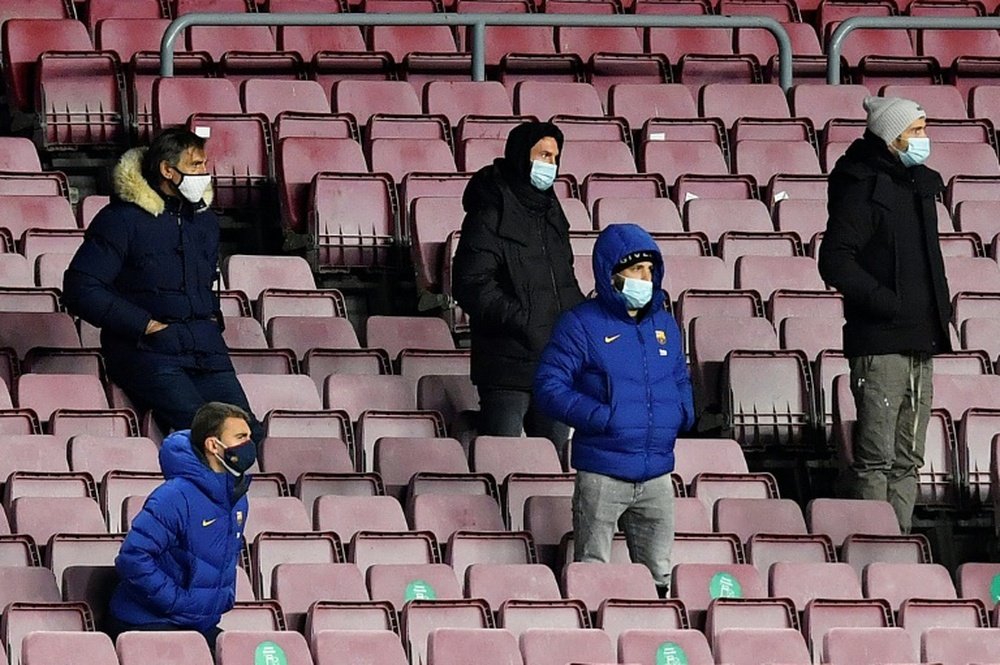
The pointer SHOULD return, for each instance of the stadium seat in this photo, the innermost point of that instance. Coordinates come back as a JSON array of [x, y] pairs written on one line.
[[444, 514], [747, 517], [743, 646], [177, 98], [151, 648], [452, 646], [952, 645], [383, 647], [540, 646], [671, 159], [647, 646], [285, 513], [236, 646], [498, 583], [299, 159], [861, 646], [896, 582], [593, 583], [802, 582]]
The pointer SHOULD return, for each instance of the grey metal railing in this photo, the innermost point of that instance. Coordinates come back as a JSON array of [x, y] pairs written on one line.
[[478, 23], [901, 23]]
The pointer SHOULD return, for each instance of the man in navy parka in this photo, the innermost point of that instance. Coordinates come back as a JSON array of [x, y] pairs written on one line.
[[615, 371], [144, 275], [177, 565]]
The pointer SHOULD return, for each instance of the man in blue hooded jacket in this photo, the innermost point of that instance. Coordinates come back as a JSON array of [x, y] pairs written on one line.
[[615, 371], [177, 566]]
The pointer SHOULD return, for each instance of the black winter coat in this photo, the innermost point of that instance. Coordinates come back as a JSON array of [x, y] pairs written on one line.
[[881, 251], [513, 274], [146, 256]]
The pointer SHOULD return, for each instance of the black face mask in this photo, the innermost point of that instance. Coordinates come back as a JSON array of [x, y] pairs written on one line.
[[238, 459]]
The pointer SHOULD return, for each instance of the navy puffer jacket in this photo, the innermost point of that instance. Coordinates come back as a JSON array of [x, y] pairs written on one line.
[[621, 382], [178, 562], [148, 256]]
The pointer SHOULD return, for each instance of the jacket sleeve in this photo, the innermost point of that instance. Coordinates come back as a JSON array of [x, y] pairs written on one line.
[[476, 278], [849, 229], [555, 392], [88, 285], [155, 529], [682, 378]]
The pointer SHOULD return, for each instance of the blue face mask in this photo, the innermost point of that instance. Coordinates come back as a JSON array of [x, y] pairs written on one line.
[[543, 174], [637, 292], [917, 152], [238, 459]]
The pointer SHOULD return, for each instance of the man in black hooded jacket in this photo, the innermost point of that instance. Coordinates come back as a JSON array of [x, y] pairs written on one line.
[[882, 252], [513, 274]]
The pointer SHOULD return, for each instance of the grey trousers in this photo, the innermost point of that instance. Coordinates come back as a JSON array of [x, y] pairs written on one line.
[[893, 396], [646, 511]]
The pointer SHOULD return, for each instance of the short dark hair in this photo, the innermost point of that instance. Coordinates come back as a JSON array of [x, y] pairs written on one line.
[[210, 418], [168, 147]]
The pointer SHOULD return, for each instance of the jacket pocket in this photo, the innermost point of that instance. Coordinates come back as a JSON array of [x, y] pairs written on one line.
[[163, 341]]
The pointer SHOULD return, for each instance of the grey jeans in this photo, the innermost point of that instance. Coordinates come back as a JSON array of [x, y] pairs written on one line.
[[646, 511], [893, 395]]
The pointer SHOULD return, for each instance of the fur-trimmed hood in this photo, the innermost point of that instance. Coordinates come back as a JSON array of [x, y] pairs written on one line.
[[131, 186]]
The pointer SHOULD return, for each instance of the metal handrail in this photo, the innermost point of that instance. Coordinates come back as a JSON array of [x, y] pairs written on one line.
[[478, 23], [896, 22]]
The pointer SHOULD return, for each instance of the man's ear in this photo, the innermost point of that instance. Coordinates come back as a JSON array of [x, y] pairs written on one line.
[[165, 170]]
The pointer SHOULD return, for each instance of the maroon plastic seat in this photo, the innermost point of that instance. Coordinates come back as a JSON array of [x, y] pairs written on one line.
[[79, 98], [673, 158], [730, 101], [898, 582], [743, 646], [864, 646], [644, 645], [544, 100], [802, 582], [363, 99], [593, 583], [954, 645], [398, 583], [398, 459], [444, 514], [42, 516], [498, 583], [285, 513], [175, 99], [273, 96], [676, 42], [98, 455], [540, 646], [383, 646], [452, 646]]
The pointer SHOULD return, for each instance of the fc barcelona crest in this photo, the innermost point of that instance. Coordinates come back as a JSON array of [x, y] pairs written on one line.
[[661, 337]]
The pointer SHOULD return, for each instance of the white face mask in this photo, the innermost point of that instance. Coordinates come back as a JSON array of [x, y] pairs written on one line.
[[193, 185]]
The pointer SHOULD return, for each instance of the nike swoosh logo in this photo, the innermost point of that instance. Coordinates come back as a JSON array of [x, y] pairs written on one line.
[[608, 340], [208, 522]]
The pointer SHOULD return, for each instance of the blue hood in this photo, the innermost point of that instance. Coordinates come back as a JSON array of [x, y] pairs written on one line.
[[614, 243], [178, 460]]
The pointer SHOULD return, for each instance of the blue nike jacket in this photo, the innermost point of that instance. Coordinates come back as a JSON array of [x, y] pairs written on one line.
[[178, 562], [621, 382]]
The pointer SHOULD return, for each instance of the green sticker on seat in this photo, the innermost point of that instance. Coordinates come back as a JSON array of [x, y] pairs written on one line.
[[670, 653], [269, 653], [724, 585], [419, 590], [995, 589]]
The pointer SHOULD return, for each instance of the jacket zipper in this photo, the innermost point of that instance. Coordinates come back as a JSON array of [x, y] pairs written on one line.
[[649, 398], [548, 263]]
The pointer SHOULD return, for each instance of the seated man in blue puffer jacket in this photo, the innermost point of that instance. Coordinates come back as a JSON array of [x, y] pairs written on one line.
[[615, 371], [177, 566]]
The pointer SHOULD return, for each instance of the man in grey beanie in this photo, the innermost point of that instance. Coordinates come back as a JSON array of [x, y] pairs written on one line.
[[881, 251]]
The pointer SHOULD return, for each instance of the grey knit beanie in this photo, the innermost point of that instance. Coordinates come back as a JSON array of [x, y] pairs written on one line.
[[888, 117]]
